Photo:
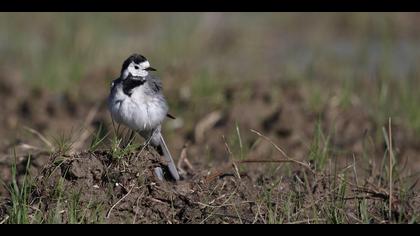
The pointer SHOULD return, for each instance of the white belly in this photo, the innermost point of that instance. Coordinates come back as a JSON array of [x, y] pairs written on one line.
[[139, 112]]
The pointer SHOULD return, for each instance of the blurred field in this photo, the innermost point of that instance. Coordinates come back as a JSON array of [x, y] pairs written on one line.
[[320, 86]]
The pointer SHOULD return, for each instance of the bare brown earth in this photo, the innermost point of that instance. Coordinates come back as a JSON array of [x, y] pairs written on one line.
[[126, 191]]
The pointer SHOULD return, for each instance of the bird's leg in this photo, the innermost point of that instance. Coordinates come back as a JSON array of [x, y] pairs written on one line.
[[127, 141], [118, 130], [131, 138], [146, 143]]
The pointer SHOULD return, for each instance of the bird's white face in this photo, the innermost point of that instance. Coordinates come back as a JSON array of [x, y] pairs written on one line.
[[137, 70]]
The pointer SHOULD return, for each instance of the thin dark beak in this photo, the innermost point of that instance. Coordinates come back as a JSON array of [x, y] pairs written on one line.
[[150, 69]]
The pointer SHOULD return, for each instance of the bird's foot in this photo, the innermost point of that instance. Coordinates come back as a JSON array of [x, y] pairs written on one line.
[[159, 173]]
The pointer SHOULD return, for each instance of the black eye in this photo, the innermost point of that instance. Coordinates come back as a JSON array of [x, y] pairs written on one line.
[[136, 67]]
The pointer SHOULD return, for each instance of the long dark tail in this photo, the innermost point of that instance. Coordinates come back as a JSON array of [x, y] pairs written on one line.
[[168, 158]]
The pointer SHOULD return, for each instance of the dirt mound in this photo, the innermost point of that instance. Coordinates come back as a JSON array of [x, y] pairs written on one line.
[[94, 186]]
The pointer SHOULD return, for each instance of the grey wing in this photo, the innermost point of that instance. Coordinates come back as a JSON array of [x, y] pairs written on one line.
[[155, 83], [156, 87]]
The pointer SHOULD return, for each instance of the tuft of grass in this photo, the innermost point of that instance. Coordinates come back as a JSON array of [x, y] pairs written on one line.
[[20, 196], [335, 210], [54, 215], [319, 151], [63, 143], [80, 213], [120, 150], [74, 212], [98, 138], [235, 143]]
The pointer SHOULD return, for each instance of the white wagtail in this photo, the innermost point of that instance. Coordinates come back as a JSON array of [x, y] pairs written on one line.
[[136, 100]]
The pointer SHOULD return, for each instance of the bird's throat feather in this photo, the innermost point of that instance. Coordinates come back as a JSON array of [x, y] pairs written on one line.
[[129, 84]]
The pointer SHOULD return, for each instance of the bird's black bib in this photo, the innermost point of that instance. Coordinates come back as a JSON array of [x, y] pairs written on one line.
[[129, 84]]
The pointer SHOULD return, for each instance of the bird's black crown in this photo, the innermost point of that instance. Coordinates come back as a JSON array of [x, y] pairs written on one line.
[[136, 58]]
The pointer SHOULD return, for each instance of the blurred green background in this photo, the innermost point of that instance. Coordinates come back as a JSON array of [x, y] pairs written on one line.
[[57, 49]]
